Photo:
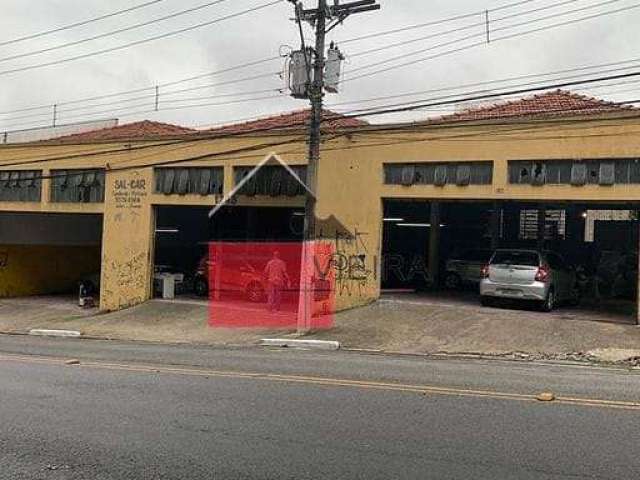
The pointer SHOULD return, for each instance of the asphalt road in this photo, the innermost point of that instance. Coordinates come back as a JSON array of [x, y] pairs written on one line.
[[132, 411]]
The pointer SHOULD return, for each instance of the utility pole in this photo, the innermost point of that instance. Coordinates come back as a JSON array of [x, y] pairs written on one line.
[[319, 18], [316, 95]]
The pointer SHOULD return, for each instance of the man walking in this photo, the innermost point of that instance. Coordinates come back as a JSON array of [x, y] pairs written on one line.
[[275, 274]]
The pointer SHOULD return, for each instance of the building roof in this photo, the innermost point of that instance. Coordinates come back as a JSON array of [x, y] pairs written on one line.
[[147, 129], [129, 131], [292, 120], [549, 104]]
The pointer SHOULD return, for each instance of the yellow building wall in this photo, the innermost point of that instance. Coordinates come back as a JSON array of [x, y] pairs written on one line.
[[128, 232], [351, 187], [40, 270]]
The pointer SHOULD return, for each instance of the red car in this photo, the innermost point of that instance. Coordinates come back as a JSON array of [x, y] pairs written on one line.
[[238, 276]]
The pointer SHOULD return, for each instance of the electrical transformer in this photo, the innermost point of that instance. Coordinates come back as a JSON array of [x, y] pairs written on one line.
[[300, 72], [332, 69]]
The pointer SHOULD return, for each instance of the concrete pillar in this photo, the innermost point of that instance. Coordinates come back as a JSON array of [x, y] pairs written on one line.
[[495, 224], [127, 240], [434, 243]]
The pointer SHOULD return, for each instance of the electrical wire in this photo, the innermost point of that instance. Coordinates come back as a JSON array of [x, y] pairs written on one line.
[[78, 24], [467, 47], [527, 84], [142, 41], [240, 66], [634, 61], [152, 97], [112, 32], [144, 89], [233, 153], [359, 113], [434, 22], [468, 27], [201, 76], [494, 39]]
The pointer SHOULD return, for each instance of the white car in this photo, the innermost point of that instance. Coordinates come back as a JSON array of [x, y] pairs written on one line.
[[543, 277]]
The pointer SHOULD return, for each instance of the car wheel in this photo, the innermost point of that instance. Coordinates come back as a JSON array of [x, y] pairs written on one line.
[[201, 287], [452, 281], [486, 301], [550, 302], [255, 292]]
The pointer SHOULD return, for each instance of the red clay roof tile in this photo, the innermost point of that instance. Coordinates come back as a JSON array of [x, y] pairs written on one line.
[[129, 131], [298, 119], [554, 103]]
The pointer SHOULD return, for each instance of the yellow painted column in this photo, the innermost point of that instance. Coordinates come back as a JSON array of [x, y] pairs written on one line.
[[127, 240]]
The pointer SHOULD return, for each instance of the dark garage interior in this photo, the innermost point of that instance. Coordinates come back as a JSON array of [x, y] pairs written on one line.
[[183, 235], [598, 241]]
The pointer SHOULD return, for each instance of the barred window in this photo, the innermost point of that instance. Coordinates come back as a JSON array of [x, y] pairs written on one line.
[[272, 180], [20, 185], [439, 173], [554, 224], [190, 180], [604, 172], [77, 186]]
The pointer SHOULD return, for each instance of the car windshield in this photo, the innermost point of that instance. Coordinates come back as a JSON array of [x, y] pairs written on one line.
[[516, 257]]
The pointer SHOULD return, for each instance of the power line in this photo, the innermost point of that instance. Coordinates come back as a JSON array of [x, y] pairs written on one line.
[[78, 24], [212, 73], [482, 34], [433, 23], [179, 107], [466, 27], [483, 96], [144, 89], [140, 42], [467, 47], [503, 80], [153, 97], [438, 101], [261, 146], [112, 32]]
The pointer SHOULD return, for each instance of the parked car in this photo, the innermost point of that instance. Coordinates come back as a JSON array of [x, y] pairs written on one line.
[[543, 277], [239, 276], [465, 269]]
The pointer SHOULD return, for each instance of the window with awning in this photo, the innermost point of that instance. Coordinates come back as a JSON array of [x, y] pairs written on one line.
[[439, 173], [272, 180], [20, 185], [189, 180], [77, 186]]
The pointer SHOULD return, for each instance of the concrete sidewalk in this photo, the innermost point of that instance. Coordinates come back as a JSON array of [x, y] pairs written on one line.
[[394, 324]]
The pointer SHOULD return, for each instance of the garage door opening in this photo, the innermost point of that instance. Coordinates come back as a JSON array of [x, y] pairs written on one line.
[[594, 245], [51, 255], [183, 235]]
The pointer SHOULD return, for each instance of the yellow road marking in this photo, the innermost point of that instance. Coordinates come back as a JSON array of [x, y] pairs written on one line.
[[327, 381]]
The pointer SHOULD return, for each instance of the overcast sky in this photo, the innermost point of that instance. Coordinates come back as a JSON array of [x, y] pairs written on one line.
[[262, 34]]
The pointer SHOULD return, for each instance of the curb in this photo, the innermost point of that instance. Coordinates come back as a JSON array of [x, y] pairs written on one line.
[[293, 343], [54, 333]]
